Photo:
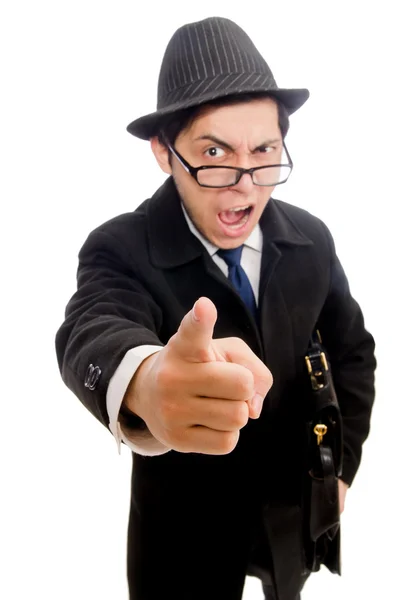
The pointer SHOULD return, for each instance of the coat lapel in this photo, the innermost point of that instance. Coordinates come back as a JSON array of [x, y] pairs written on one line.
[[280, 234], [281, 237], [171, 243]]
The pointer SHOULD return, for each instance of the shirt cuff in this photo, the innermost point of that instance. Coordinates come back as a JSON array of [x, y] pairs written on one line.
[[117, 388]]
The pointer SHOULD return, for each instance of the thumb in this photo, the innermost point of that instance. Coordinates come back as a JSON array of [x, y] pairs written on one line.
[[194, 337]]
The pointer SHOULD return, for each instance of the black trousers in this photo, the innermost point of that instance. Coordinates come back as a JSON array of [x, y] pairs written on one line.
[[268, 589], [208, 558], [267, 586], [270, 594]]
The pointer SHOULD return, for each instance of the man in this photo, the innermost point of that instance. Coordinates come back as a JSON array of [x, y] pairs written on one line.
[[188, 332]]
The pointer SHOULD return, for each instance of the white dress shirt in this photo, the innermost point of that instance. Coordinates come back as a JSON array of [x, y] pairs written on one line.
[[142, 441]]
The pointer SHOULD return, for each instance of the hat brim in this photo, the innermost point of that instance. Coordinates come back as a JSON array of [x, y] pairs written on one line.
[[147, 126]]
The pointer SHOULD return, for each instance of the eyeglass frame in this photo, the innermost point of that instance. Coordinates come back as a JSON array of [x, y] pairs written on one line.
[[194, 170]]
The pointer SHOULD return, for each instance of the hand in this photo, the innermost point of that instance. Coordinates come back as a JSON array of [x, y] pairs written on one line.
[[197, 393], [343, 487]]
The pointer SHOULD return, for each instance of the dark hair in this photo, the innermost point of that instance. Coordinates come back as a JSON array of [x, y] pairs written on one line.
[[172, 125]]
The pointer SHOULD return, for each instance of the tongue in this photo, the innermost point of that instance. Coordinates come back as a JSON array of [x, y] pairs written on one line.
[[231, 217]]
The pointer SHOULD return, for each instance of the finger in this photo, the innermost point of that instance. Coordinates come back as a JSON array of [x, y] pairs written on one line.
[[236, 350], [193, 339], [208, 441], [221, 380], [218, 414]]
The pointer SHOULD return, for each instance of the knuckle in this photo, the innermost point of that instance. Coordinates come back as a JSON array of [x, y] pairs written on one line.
[[238, 342], [165, 378], [165, 408], [242, 414], [244, 384], [201, 355], [265, 383], [168, 411], [228, 442], [269, 379], [239, 415]]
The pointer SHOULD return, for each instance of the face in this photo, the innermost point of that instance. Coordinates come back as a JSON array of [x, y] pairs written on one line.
[[240, 135]]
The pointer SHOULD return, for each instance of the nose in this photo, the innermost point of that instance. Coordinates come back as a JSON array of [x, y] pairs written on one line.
[[245, 185]]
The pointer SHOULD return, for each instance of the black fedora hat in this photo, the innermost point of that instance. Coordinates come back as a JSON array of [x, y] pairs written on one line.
[[207, 60]]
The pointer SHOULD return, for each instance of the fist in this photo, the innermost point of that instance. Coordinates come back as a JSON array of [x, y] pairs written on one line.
[[197, 393]]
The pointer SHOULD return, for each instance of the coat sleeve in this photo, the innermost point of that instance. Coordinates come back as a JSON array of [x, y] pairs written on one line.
[[351, 353], [110, 313]]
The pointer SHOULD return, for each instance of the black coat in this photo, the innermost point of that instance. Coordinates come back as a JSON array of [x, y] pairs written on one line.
[[193, 515]]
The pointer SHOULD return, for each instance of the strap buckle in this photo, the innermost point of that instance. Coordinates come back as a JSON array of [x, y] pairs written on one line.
[[317, 366]]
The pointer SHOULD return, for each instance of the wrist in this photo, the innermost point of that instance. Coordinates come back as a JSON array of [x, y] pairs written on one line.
[[133, 401]]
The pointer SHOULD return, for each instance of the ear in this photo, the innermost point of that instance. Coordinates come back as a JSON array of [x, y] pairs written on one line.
[[161, 154]]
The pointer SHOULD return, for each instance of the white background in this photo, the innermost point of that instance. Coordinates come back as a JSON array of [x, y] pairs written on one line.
[[73, 74]]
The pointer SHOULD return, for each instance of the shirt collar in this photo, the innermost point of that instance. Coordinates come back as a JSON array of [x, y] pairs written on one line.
[[254, 240]]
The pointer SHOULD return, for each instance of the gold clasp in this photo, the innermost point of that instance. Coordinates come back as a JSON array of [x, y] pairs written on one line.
[[317, 376], [320, 430]]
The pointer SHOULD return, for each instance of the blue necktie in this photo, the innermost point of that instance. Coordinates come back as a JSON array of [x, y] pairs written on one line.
[[238, 277]]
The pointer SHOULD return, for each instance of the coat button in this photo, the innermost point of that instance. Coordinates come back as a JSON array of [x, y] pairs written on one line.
[[92, 377]]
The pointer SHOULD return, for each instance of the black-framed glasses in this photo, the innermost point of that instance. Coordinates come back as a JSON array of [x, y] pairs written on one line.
[[212, 176]]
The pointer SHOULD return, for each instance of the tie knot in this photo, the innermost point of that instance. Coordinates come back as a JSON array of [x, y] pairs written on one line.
[[231, 257]]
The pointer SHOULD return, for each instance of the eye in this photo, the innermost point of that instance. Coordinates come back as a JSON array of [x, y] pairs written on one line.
[[266, 149], [214, 152]]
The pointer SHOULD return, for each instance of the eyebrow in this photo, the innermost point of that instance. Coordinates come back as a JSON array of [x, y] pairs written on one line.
[[216, 140]]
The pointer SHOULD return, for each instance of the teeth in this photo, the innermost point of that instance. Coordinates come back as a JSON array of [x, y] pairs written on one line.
[[238, 209]]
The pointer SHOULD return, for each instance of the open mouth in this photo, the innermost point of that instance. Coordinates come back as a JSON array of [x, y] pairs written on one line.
[[235, 218]]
